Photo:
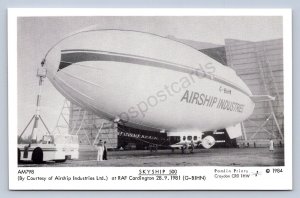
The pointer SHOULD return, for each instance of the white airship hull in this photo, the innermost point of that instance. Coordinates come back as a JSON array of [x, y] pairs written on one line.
[[148, 89]]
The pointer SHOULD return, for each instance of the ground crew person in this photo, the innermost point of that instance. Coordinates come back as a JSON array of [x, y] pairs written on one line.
[[100, 149], [192, 146], [104, 151], [185, 146], [271, 145]]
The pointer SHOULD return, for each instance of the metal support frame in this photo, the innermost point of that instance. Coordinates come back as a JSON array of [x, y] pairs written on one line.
[[62, 117], [259, 127], [261, 59], [99, 131], [244, 131], [74, 130], [100, 134], [266, 87], [80, 127], [34, 117]]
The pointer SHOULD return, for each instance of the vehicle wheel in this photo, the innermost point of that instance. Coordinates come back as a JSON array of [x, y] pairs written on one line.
[[19, 155], [208, 141], [37, 155]]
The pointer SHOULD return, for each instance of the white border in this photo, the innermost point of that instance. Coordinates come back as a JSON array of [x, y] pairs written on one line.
[[264, 182]]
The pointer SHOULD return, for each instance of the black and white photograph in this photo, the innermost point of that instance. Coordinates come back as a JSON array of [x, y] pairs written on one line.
[[180, 89]]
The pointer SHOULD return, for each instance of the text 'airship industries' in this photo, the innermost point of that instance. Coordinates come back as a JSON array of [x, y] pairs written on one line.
[[211, 101]]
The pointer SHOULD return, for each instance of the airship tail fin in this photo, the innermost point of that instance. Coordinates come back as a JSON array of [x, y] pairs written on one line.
[[262, 98], [234, 131]]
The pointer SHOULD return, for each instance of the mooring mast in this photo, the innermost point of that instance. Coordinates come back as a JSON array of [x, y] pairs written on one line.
[[41, 74]]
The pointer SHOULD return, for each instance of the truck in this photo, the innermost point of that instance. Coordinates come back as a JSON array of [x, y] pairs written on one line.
[[58, 148]]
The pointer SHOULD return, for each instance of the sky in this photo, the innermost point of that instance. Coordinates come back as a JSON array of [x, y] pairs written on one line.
[[37, 34]]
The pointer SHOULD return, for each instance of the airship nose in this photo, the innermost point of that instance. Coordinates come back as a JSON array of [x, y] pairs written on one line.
[[52, 61]]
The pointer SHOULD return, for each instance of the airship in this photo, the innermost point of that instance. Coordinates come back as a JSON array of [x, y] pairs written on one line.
[[147, 81]]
